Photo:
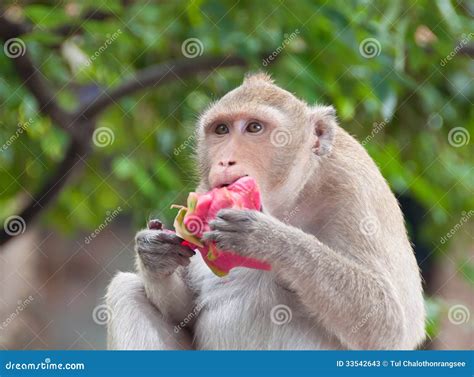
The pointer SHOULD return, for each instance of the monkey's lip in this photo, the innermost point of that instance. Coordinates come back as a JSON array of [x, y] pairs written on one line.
[[227, 181]]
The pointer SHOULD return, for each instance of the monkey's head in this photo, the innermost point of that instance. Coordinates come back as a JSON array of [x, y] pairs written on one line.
[[265, 132]]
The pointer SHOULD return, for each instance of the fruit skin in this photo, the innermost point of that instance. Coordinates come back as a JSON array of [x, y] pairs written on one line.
[[155, 224], [192, 222]]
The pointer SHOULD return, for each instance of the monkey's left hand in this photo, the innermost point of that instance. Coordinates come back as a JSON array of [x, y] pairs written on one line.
[[246, 232]]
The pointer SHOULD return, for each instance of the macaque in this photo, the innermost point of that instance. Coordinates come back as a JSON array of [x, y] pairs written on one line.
[[343, 271]]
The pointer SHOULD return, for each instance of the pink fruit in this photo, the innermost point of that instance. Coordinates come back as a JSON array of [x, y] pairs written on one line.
[[192, 221]]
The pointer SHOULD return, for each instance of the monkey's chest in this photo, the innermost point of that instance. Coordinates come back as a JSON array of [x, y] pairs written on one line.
[[249, 311]]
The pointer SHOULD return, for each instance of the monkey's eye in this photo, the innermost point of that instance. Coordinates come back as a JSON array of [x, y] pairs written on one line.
[[221, 129], [254, 127]]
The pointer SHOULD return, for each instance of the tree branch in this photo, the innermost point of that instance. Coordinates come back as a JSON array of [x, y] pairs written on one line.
[[75, 154], [74, 28], [66, 31], [467, 51], [33, 79], [153, 76], [80, 124]]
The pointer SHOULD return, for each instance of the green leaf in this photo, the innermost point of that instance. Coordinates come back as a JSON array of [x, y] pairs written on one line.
[[45, 16]]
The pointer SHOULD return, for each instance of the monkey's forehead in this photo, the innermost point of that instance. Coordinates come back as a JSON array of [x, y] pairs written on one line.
[[220, 112], [264, 102]]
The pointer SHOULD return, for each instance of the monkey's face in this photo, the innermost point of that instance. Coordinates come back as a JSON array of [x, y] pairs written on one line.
[[262, 131], [260, 141]]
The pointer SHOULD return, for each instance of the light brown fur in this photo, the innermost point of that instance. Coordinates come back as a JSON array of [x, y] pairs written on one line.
[[330, 227]]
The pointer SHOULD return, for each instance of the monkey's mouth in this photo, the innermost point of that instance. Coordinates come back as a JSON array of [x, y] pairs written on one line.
[[228, 181]]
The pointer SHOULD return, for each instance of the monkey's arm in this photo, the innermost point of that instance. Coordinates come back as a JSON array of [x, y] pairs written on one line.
[[358, 304], [148, 307], [161, 264], [170, 294]]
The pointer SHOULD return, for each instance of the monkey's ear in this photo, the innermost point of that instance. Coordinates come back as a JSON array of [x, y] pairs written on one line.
[[323, 121]]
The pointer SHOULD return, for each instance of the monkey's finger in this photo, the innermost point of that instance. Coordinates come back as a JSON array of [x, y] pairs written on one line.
[[168, 237], [219, 224], [211, 236], [235, 215]]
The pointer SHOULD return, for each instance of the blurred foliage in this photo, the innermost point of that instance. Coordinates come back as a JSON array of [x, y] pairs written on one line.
[[434, 308], [412, 98]]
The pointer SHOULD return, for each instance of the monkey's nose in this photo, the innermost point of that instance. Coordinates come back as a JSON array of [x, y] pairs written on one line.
[[227, 163]]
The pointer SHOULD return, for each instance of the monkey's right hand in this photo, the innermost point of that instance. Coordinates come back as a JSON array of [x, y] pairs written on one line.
[[160, 251]]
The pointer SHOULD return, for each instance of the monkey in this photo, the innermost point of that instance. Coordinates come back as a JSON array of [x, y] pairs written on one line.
[[343, 271]]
